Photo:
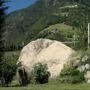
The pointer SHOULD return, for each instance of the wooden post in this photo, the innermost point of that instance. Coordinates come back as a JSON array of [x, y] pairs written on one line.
[[88, 35]]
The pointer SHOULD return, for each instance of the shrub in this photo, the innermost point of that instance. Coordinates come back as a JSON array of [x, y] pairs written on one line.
[[71, 75], [41, 73], [7, 70]]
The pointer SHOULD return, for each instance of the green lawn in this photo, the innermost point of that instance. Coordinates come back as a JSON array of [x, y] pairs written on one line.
[[54, 86]]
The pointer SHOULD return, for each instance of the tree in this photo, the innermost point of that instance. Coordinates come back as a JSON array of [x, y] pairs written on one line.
[[79, 18], [2, 18], [6, 68], [2, 15], [81, 15]]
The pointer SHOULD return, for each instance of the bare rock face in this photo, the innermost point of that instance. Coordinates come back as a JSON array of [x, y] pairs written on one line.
[[45, 51], [82, 63], [87, 76]]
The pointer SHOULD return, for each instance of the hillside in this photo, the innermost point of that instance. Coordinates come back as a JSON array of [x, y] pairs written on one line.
[[52, 38], [59, 31], [24, 25]]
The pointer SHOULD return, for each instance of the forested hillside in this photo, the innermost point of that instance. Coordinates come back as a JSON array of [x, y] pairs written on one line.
[[27, 24]]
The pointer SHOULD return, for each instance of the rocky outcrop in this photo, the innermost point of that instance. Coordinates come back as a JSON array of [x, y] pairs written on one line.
[[45, 51], [87, 76], [82, 63]]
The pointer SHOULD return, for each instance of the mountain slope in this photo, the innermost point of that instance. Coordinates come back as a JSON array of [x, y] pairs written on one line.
[[23, 25]]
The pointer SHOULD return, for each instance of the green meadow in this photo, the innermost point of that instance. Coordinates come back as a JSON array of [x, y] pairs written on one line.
[[49, 86]]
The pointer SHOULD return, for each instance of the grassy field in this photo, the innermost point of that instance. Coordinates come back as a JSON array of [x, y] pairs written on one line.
[[66, 30], [62, 27], [54, 86]]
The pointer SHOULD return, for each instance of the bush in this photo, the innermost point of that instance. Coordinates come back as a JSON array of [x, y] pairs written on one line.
[[7, 70], [71, 75], [41, 73]]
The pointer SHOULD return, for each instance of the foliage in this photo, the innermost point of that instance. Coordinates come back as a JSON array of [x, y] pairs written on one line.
[[2, 24], [8, 69], [71, 75], [12, 47], [41, 73], [80, 17], [2, 15], [27, 23]]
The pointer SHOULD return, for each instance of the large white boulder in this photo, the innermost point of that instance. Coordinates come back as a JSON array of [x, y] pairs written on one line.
[[53, 53]]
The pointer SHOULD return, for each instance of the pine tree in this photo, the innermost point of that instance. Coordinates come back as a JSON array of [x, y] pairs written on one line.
[[7, 66], [2, 15], [2, 23]]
